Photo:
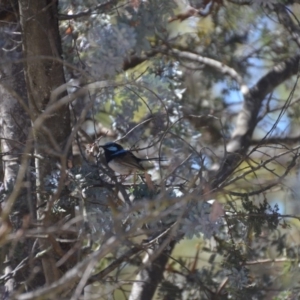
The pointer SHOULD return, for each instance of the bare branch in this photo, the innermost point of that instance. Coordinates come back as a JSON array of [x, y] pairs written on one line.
[[289, 140], [247, 118], [220, 67], [285, 19], [70, 278], [100, 8]]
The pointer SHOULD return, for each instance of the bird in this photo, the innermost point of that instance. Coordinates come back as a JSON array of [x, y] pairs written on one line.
[[124, 161]]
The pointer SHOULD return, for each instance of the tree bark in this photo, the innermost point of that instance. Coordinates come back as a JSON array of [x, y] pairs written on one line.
[[43, 73], [151, 275]]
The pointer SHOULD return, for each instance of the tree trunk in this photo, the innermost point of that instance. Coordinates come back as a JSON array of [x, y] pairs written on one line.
[[151, 275], [43, 73]]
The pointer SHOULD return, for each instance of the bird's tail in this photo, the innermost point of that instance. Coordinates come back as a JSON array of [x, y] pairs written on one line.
[[154, 158]]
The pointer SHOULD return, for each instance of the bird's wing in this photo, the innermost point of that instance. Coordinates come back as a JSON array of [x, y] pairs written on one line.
[[128, 159]]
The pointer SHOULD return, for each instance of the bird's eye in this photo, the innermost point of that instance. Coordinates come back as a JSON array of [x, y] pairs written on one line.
[[112, 148]]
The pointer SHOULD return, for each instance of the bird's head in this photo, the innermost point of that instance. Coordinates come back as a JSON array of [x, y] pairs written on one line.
[[111, 149]]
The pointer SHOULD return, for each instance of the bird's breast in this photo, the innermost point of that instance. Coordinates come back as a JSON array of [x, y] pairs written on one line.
[[120, 168]]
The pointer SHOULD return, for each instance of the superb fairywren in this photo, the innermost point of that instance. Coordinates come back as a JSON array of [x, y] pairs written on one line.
[[123, 161]]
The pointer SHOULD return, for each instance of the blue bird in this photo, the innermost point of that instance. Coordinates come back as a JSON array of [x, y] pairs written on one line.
[[124, 161]]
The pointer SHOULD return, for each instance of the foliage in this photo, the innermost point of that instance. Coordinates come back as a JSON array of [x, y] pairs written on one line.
[[197, 84]]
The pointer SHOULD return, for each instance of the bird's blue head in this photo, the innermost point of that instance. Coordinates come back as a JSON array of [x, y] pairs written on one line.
[[112, 149]]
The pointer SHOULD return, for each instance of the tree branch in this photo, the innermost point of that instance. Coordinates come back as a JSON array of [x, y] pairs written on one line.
[[100, 8], [290, 140], [151, 275], [69, 279], [247, 118], [285, 19], [220, 67]]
